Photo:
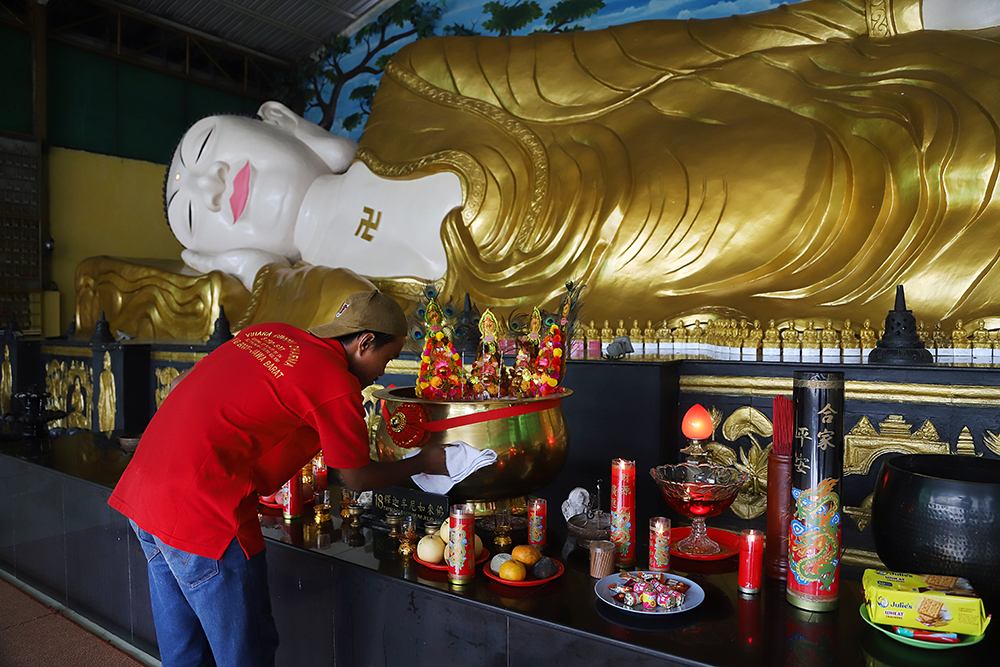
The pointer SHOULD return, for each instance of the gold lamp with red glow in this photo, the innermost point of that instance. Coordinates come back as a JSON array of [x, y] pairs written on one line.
[[696, 488], [697, 428]]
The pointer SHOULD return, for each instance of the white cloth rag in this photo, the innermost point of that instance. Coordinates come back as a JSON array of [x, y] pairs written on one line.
[[462, 459]]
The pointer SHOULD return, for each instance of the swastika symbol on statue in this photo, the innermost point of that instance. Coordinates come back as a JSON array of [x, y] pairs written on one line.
[[369, 224]]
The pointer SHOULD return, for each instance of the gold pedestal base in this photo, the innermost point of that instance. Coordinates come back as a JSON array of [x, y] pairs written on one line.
[[517, 506]]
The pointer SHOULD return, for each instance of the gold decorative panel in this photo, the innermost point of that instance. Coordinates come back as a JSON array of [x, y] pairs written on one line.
[[966, 445], [863, 444], [164, 376], [862, 514], [71, 388], [108, 399], [178, 357], [992, 442], [750, 422], [6, 382], [881, 392]]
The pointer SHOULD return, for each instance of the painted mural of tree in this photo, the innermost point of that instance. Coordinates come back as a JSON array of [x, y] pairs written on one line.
[[325, 77], [509, 18]]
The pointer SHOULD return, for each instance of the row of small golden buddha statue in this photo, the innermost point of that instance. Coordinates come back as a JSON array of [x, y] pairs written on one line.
[[701, 337]]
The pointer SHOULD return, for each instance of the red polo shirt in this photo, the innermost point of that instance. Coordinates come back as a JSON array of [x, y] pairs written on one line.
[[245, 419]]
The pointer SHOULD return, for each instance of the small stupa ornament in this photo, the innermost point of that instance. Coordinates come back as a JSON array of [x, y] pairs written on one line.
[[221, 333], [900, 345], [102, 332]]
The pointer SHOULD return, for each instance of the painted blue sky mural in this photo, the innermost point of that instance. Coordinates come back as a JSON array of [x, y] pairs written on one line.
[[346, 111]]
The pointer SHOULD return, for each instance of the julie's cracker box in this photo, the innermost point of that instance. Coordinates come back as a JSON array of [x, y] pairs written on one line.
[[924, 601]]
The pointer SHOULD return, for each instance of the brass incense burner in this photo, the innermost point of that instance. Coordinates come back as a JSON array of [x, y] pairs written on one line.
[[529, 436]]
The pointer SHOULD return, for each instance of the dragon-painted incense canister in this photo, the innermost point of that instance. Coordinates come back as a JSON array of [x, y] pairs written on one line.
[[817, 466]]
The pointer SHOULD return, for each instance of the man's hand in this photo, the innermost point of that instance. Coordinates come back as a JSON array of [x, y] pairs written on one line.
[[378, 475], [435, 459]]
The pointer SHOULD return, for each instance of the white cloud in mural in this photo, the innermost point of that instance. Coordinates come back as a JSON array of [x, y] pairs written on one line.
[[618, 13], [727, 9]]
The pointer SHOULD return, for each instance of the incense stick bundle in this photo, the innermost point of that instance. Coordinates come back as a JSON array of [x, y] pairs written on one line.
[[783, 426], [779, 489]]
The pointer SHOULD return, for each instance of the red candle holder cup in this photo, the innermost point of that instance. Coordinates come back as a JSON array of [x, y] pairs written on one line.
[[698, 491]]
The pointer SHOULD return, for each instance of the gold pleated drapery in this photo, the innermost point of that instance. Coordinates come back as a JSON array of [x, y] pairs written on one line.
[[782, 164], [157, 299]]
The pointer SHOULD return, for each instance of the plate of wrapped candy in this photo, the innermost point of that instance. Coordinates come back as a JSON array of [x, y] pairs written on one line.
[[645, 592]]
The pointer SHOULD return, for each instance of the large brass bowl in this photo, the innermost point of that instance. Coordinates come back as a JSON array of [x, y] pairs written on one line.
[[531, 448]]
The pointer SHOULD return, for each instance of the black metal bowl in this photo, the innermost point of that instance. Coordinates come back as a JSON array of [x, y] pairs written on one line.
[[940, 514]]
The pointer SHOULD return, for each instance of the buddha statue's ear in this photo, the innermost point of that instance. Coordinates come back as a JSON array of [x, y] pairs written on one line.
[[337, 152]]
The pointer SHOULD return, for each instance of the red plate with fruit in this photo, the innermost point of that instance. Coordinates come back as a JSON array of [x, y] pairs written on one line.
[[529, 580], [443, 566]]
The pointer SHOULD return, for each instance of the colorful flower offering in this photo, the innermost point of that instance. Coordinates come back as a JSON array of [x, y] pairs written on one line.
[[538, 369]]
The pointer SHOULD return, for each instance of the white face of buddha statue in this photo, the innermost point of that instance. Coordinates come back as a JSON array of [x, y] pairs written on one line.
[[236, 182]]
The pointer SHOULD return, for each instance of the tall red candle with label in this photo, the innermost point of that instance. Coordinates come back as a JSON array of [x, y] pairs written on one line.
[[659, 544], [462, 544], [291, 505], [751, 561], [623, 510], [537, 516], [319, 477]]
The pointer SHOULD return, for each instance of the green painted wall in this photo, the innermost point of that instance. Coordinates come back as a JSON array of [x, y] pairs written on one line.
[[15, 80], [112, 130], [102, 105]]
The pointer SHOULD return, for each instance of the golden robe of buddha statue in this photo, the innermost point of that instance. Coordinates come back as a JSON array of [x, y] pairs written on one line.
[[160, 299], [799, 162]]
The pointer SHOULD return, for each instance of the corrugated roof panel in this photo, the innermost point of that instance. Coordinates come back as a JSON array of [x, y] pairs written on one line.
[[285, 29]]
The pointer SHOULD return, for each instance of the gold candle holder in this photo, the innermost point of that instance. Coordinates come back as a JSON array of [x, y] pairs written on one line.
[[354, 512], [394, 521], [501, 530], [408, 536], [321, 514], [346, 499]]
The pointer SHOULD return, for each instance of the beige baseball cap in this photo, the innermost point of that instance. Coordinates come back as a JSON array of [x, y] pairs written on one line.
[[365, 311]]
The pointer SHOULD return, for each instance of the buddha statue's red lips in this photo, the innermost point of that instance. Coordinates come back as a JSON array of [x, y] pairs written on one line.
[[241, 192]]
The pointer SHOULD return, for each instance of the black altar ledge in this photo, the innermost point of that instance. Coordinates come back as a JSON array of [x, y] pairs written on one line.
[[360, 605]]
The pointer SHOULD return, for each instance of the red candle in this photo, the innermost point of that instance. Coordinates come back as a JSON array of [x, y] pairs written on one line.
[[462, 544], [537, 512], [659, 544], [751, 560], [623, 510], [291, 504], [319, 477]]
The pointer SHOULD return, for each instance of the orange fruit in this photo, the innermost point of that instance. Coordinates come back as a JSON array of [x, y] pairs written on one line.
[[513, 571], [527, 554]]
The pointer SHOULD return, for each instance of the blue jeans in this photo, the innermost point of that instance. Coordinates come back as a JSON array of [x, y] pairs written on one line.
[[209, 613]]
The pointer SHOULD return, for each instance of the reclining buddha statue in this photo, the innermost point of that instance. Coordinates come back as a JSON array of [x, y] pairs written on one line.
[[798, 162]]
